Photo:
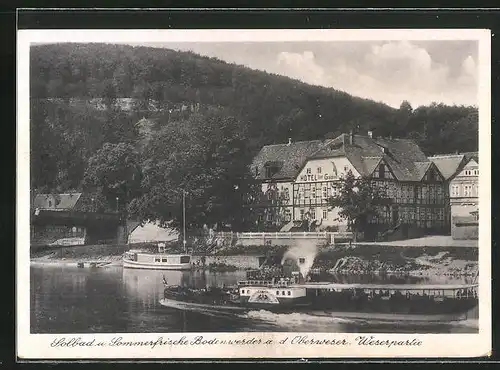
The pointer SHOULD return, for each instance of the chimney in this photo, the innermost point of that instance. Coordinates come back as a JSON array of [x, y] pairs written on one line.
[[351, 137], [370, 134], [289, 141]]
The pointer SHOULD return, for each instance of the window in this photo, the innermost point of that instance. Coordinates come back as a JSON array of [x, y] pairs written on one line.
[[346, 169], [325, 214], [476, 172], [302, 260], [289, 293], [157, 260], [277, 292], [467, 190], [313, 213], [325, 192], [50, 203], [381, 171], [301, 214], [269, 172], [454, 191], [164, 260], [283, 293], [308, 170], [334, 190], [319, 170]]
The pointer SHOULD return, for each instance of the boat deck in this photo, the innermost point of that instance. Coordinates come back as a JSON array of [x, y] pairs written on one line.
[[386, 286]]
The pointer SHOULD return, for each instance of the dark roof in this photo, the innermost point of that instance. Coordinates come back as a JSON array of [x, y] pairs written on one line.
[[287, 157], [405, 159], [448, 164], [451, 164], [57, 201]]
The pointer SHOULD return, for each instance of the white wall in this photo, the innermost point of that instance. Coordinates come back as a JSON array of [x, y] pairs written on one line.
[[331, 170], [328, 166], [151, 232]]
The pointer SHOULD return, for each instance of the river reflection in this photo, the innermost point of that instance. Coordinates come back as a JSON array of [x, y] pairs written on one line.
[[112, 299]]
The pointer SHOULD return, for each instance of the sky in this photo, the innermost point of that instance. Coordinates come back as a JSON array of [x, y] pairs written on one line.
[[420, 72]]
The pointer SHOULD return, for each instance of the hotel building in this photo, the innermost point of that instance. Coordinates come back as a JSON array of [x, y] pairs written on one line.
[[397, 167]]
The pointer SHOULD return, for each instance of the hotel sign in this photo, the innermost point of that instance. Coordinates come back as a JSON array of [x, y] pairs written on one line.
[[317, 177]]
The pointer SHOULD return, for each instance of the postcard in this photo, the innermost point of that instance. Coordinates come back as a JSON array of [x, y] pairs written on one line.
[[244, 194]]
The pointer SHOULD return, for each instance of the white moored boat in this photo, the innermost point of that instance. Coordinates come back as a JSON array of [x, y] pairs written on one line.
[[161, 260], [156, 261]]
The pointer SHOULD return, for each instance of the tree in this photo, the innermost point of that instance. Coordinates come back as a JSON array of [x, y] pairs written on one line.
[[273, 204], [204, 155], [358, 201], [114, 172]]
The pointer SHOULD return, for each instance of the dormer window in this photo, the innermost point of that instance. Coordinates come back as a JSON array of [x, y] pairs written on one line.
[[272, 168], [308, 171], [50, 203]]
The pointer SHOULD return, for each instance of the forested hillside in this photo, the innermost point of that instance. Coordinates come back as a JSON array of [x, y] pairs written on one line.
[[176, 90]]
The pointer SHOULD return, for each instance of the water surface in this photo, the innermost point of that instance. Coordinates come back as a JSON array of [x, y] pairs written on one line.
[[116, 300]]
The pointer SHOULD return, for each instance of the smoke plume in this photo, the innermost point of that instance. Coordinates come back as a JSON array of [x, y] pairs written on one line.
[[307, 250]]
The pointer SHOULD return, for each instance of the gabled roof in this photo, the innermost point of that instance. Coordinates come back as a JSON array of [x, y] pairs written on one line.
[[290, 157], [452, 164], [57, 201], [471, 155], [421, 168], [448, 164], [404, 158]]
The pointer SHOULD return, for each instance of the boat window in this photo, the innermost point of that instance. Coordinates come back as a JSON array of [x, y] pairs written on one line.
[[157, 260], [185, 259], [289, 293], [164, 260]]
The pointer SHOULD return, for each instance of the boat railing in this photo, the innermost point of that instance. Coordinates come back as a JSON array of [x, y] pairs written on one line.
[[255, 282], [268, 283]]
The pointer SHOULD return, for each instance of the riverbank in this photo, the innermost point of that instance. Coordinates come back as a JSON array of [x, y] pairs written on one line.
[[340, 259]]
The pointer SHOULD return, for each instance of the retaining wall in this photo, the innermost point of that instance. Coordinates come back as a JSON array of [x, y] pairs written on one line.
[[241, 262]]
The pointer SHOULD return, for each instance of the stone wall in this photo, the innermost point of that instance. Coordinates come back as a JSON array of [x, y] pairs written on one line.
[[291, 242], [241, 262], [462, 228], [92, 250]]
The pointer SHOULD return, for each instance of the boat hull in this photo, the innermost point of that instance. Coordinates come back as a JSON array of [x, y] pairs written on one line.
[[416, 305], [354, 315], [156, 265]]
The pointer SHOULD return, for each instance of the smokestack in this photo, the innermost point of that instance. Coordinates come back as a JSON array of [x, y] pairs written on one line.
[[351, 137], [289, 141], [370, 134]]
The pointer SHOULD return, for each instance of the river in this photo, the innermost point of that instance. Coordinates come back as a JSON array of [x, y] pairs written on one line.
[[67, 299]]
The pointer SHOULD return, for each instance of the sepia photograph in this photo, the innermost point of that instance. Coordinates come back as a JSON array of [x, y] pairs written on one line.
[[190, 184]]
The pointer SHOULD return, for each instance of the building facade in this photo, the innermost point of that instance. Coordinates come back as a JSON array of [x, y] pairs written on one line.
[[464, 200], [276, 167], [72, 219], [396, 167]]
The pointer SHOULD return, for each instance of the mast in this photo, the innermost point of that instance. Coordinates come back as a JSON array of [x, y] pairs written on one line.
[[184, 220]]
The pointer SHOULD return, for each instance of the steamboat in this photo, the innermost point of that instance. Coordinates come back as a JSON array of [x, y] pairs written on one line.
[[401, 302]]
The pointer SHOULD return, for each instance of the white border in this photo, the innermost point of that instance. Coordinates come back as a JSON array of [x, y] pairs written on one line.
[[37, 346]]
